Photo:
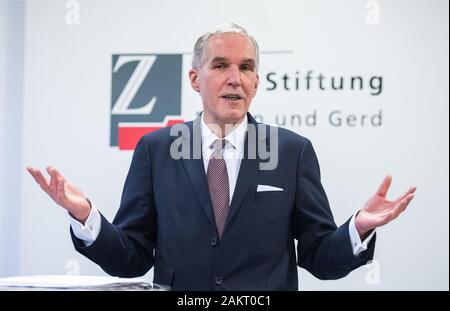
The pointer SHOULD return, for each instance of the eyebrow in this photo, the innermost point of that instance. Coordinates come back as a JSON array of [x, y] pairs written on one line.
[[218, 59]]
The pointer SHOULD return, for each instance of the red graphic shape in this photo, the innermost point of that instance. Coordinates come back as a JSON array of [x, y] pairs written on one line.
[[130, 135]]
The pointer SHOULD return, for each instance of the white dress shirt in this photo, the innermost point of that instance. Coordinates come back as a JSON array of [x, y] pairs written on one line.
[[233, 153]]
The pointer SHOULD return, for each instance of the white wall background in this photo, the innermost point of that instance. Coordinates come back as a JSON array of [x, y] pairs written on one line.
[[64, 116], [11, 105]]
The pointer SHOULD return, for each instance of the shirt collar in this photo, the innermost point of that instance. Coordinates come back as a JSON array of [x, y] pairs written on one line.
[[236, 138]]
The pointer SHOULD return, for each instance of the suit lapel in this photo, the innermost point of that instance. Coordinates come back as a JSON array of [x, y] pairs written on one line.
[[247, 174], [196, 170], [248, 170]]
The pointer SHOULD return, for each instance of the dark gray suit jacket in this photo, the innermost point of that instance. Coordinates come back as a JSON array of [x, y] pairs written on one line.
[[166, 221]]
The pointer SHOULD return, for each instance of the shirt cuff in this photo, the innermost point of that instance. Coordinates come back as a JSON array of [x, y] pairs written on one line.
[[358, 246], [88, 232]]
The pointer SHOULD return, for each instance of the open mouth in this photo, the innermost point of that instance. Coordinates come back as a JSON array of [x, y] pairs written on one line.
[[232, 97]]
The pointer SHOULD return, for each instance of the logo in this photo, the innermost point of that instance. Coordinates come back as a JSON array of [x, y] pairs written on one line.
[[145, 96]]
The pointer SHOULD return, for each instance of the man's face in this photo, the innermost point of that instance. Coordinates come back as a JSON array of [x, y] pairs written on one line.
[[227, 78]]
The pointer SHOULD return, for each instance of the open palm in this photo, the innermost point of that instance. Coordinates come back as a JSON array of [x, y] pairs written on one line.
[[63, 192], [379, 211]]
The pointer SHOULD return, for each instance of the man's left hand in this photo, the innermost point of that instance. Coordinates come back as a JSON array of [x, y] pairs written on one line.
[[379, 211]]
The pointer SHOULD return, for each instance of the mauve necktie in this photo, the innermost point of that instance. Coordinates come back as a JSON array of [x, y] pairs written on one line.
[[219, 189]]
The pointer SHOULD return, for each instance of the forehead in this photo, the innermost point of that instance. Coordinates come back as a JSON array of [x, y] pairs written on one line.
[[232, 46]]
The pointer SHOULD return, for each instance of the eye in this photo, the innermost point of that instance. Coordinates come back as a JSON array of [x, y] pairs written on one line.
[[219, 66], [247, 67]]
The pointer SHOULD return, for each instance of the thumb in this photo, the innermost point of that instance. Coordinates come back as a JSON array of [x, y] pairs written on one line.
[[384, 187]]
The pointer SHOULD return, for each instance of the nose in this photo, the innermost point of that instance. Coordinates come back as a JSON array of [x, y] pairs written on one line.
[[234, 77]]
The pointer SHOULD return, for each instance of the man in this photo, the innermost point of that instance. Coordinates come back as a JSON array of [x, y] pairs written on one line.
[[218, 221]]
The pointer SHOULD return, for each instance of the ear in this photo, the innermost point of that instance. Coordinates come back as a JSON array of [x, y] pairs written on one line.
[[256, 84], [193, 77]]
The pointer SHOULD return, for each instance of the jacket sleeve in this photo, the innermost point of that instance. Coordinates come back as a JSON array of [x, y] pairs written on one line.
[[323, 249], [125, 247]]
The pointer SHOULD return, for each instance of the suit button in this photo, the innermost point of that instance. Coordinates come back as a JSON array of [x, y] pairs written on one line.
[[218, 280], [213, 241]]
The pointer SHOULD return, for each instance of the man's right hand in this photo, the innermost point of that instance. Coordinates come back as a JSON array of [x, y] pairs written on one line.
[[63, 192]]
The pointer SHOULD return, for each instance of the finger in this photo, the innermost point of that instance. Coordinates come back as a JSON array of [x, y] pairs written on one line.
[[32, 172], [61, 193], [409, 191], [59, 179], [53, 180], [383, 189], [56, 172], [402, 205], [408, 200], [39, 178]]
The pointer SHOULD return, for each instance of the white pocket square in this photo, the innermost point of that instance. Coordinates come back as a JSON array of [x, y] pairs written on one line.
[[263, 188]]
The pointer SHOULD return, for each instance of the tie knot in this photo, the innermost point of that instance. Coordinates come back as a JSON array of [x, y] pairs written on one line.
[[219, 147]]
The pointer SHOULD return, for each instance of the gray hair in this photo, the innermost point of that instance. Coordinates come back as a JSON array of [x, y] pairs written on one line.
[[202, 42]]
